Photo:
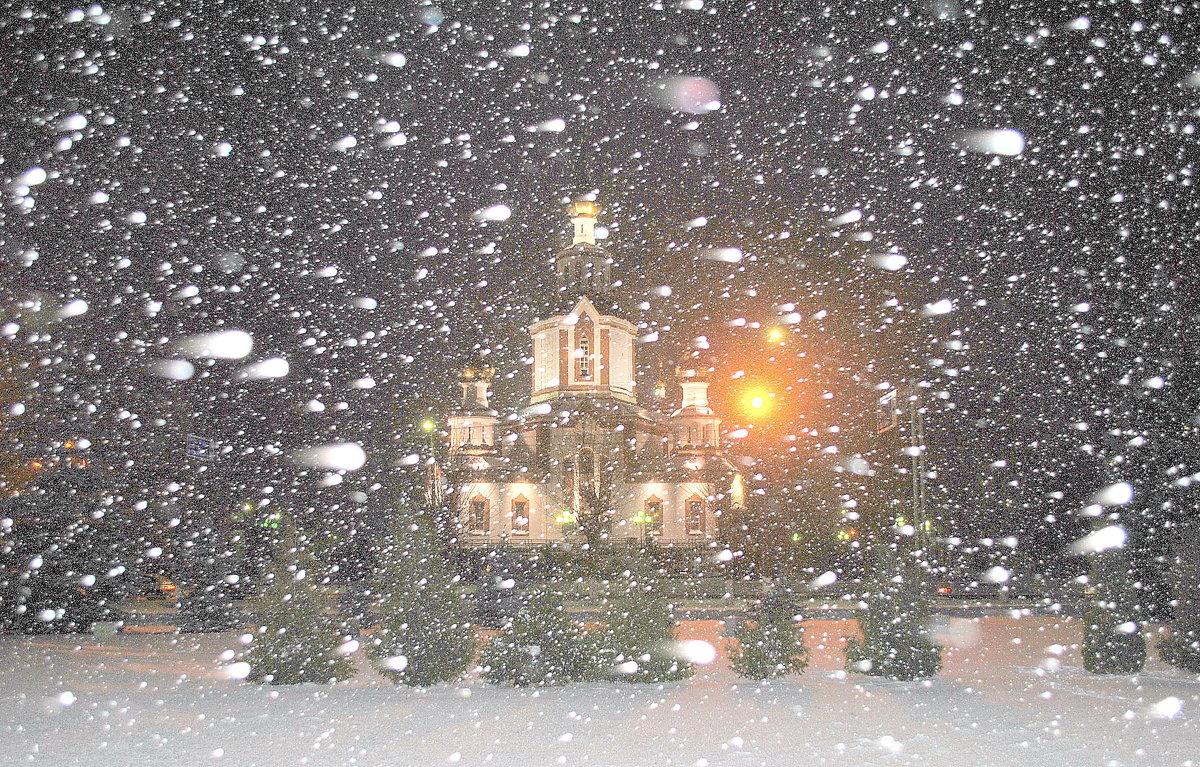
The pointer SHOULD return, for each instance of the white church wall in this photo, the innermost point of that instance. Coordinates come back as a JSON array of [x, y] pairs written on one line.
[[682, 493], [500, 497], [472, 430], [545, 359], [628, 503], [621, 359], [674, 497], [487, 491]]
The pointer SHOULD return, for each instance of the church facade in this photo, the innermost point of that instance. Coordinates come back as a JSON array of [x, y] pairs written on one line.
[[588, 458]]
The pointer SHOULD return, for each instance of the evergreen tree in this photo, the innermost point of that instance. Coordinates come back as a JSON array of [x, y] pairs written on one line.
[[541, 645], [61, 565], [639, 639], [895, 625], [425, 635], [1182, 647], [595, 517], [772, 643], [298, 641], [1113, 642], [497, 601]]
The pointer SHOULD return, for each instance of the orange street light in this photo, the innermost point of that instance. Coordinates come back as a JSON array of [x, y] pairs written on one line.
[[758, 401], [776, 335]]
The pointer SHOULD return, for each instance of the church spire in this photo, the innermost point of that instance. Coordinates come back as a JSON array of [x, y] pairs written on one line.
[[583, 215], [584, 268]]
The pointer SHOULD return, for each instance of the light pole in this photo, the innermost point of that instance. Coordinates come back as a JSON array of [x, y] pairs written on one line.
[[433, 488]]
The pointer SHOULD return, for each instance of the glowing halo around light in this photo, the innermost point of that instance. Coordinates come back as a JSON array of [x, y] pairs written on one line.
[[758, 401]]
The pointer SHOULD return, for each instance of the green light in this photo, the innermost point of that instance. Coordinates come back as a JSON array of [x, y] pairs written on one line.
[[642, 518], [565, 517], [270, 522], [842, 535], [428, 425], [796, 537]]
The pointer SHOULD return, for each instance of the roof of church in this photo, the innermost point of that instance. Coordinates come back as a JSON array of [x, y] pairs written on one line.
[[578, 306]]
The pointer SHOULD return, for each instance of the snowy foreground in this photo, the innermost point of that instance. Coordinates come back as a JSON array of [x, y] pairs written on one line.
[[1012, 693]]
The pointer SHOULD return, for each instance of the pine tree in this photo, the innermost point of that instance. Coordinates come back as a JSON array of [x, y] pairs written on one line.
[[298, 641], [895, 625], [541, 645], [1113, 642], [425, 635], [639, 639], [772, 643], [1182, 647]]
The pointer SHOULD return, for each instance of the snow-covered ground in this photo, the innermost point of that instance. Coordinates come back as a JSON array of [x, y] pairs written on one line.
[[1011, 693]]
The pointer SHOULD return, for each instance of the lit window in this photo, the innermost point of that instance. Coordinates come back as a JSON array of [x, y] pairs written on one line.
[[654, 515], [477, 515], [585, 359], [695, 516], [520, 516]]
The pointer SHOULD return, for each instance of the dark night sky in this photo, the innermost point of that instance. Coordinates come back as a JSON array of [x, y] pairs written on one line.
[[823, 110]]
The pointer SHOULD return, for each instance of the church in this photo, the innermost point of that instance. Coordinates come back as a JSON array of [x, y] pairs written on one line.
[[589, 458]]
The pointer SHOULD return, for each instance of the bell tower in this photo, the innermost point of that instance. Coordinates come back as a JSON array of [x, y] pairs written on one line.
[[584, 268], [697, 428], [585, 352], [583, 216], [473, 424]]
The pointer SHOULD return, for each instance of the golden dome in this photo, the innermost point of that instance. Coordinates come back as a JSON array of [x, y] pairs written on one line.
[[477, 373], [585, 208]]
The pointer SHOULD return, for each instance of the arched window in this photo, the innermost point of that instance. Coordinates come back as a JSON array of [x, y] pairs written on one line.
[[654, 515], [520, 515], [585, 359], [694, 515], [477, 515]]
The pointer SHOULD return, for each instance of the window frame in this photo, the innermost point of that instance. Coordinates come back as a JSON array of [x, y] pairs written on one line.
[[484, 517], [519, 501], [691, 503], [653, 509], [583, 371]]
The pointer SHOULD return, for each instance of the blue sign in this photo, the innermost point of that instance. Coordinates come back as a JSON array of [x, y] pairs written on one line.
[[200, 448]]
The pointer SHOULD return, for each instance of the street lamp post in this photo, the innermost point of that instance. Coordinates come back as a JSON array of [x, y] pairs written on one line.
[[429, 426], [433, 490]]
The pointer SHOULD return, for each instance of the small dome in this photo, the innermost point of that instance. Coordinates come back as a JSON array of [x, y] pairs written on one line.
[[477, 372], [696, 365], [585, 208]]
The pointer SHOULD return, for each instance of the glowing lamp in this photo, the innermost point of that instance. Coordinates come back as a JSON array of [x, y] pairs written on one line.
[[757, 401], [565, 517], [640, 517], [428, 425]]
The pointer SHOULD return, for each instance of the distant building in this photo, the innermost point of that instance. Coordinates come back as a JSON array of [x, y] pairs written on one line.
[[587, 457]]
